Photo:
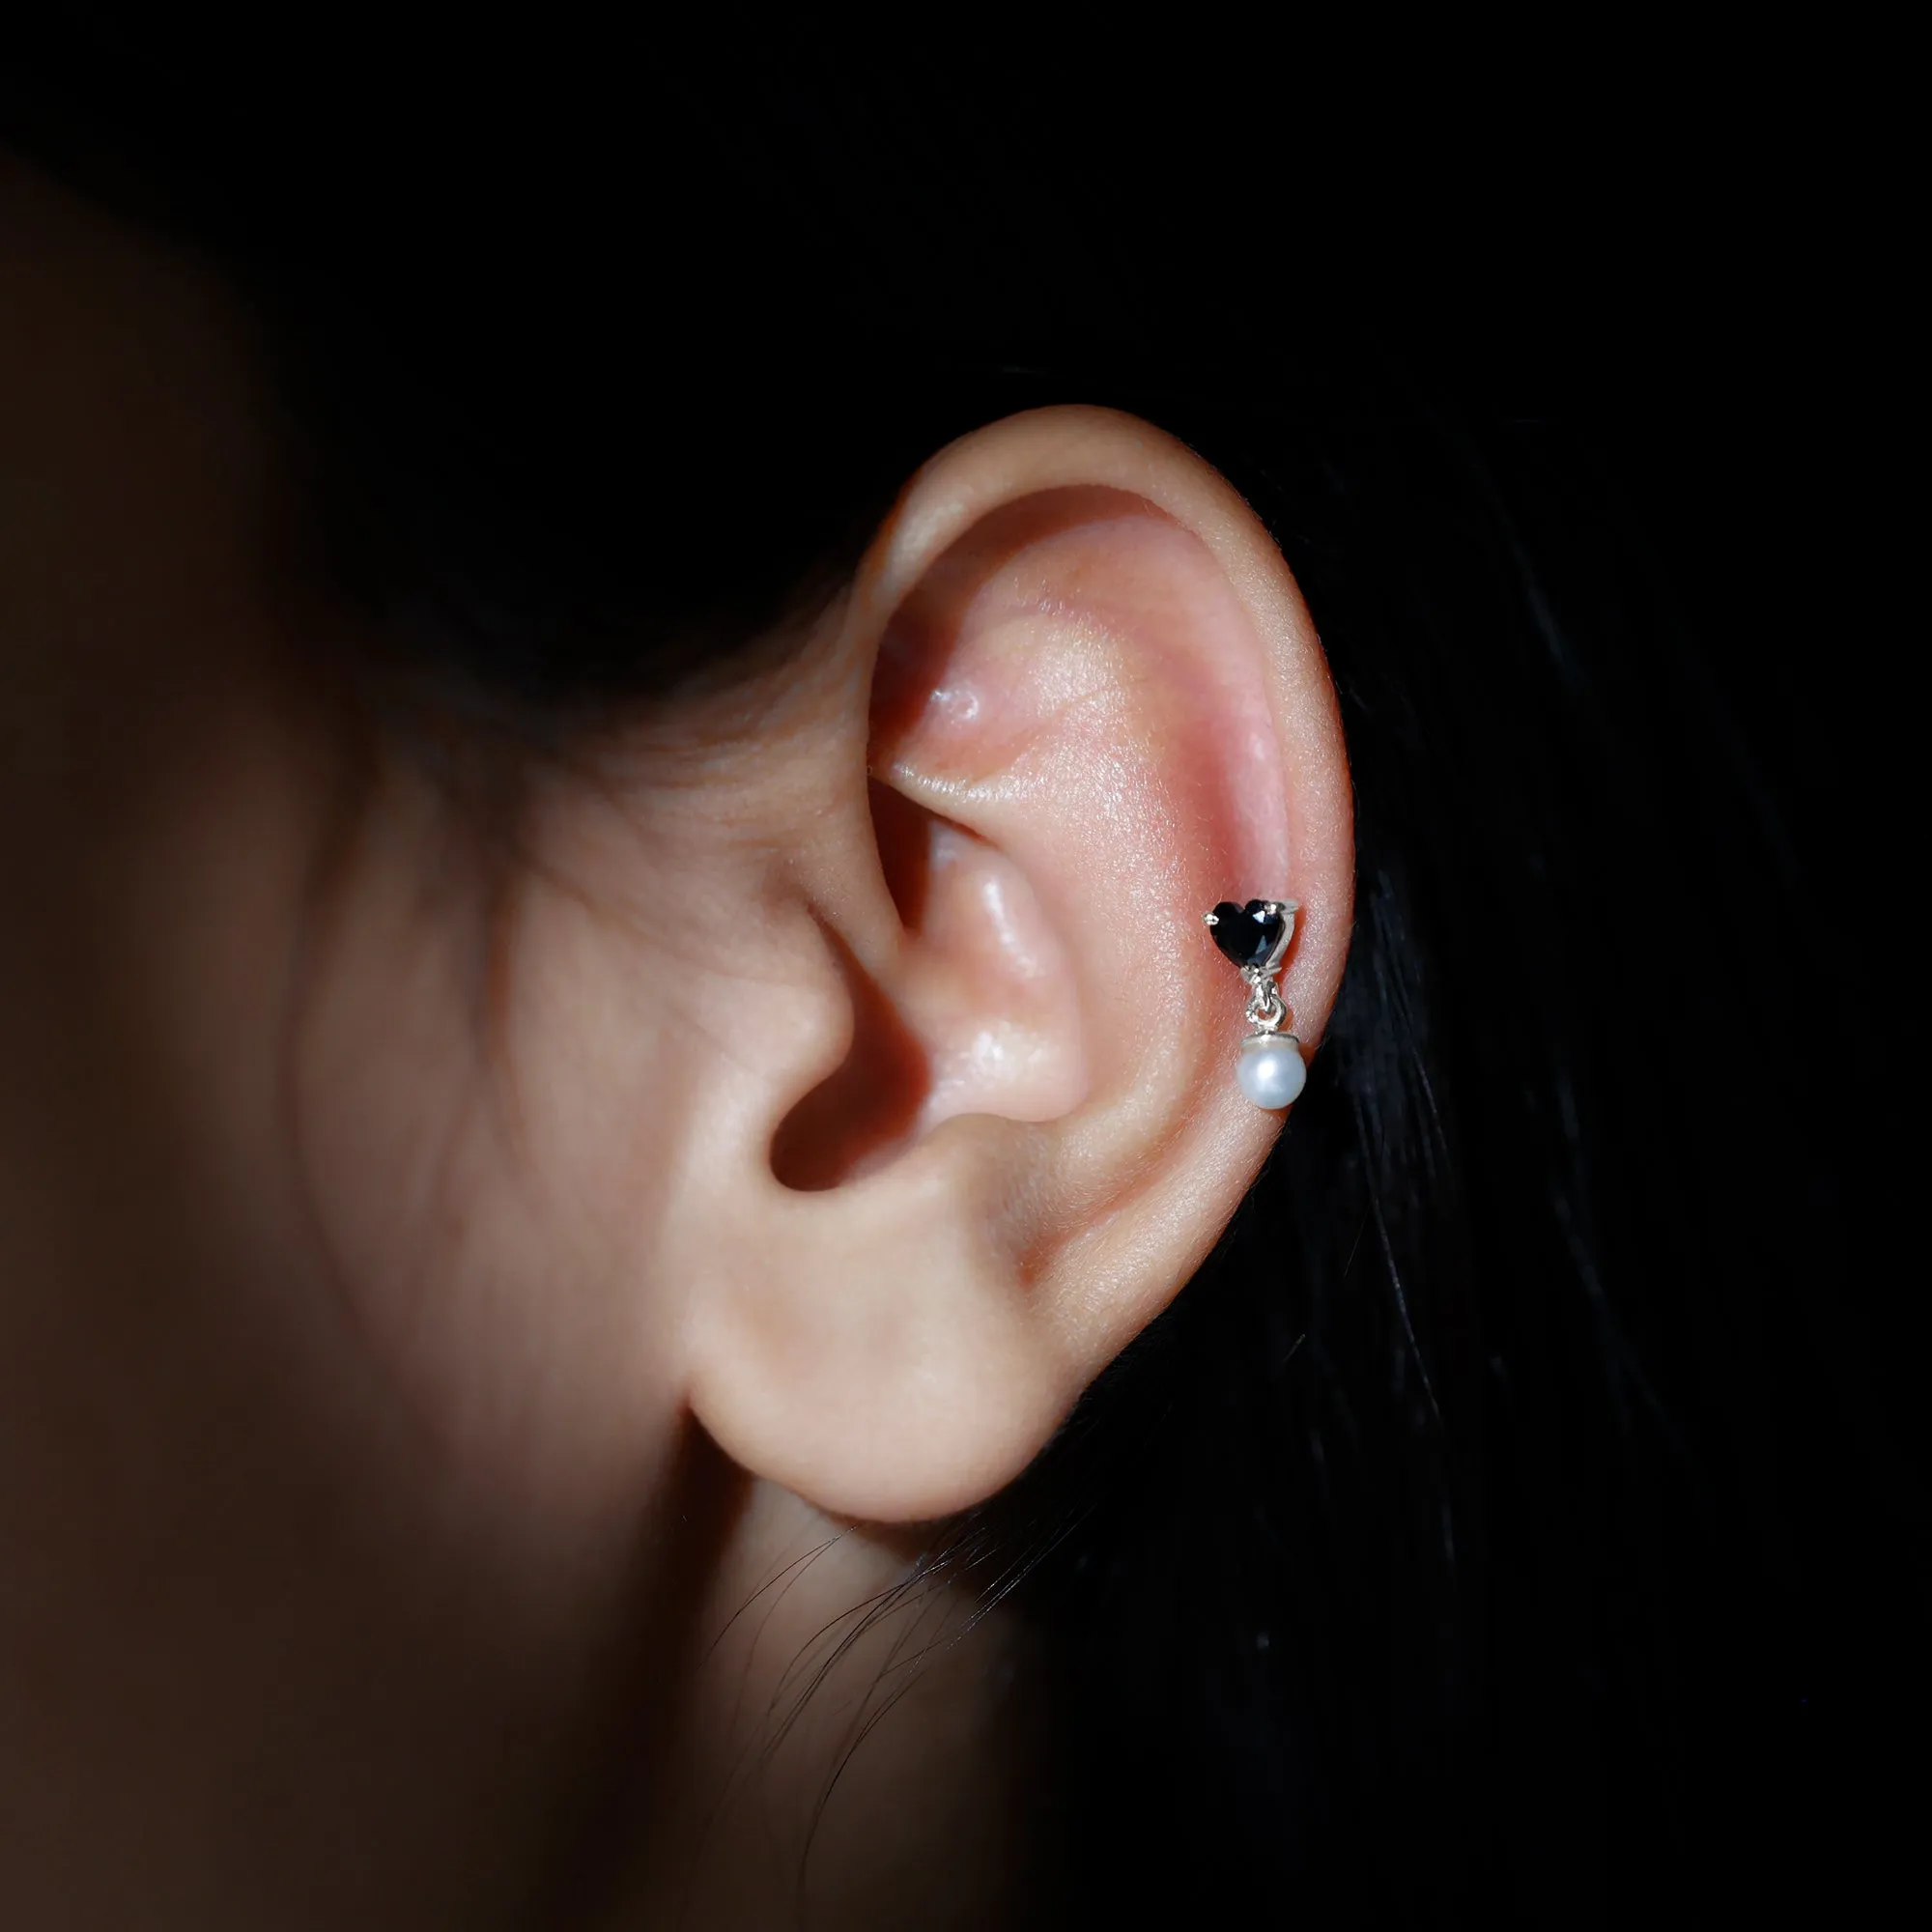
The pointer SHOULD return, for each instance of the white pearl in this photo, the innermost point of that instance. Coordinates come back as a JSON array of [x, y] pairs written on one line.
[[1269, 1069]]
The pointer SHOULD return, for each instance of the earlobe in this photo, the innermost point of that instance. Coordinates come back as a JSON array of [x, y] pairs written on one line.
[[1094, 707]]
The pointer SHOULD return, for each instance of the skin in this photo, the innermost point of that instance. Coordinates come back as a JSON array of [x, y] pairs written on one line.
[[469, 1330]]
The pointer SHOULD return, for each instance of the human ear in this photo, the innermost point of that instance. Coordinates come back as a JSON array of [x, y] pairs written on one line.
[[1074, 699]]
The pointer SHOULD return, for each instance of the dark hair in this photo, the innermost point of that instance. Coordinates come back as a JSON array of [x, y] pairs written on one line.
[[1456, 1548]]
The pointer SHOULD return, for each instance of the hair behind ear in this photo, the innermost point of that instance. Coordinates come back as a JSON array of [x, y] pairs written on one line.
[[1416, 1515]]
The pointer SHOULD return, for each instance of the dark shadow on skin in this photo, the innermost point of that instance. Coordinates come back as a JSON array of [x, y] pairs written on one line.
[[904, 833], [598, 1826]]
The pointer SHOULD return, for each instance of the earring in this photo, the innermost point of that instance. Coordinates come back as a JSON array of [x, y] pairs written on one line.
[[1255, 937]]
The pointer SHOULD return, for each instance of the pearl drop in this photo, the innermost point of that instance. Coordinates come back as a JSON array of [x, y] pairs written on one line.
[[1269, 1069]]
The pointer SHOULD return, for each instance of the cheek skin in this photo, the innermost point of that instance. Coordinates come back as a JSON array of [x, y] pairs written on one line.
[[278, 1478], [235, 1517]]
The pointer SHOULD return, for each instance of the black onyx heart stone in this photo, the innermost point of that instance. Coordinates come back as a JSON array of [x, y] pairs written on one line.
[[1247, 934]]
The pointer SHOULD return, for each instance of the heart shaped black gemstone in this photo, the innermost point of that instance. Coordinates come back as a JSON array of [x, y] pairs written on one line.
[[1248, 934]]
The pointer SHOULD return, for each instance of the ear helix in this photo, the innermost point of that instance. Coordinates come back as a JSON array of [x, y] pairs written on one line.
[[1269, 1063]]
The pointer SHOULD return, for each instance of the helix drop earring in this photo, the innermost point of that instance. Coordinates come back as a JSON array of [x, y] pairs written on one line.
[[1255, 936]]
